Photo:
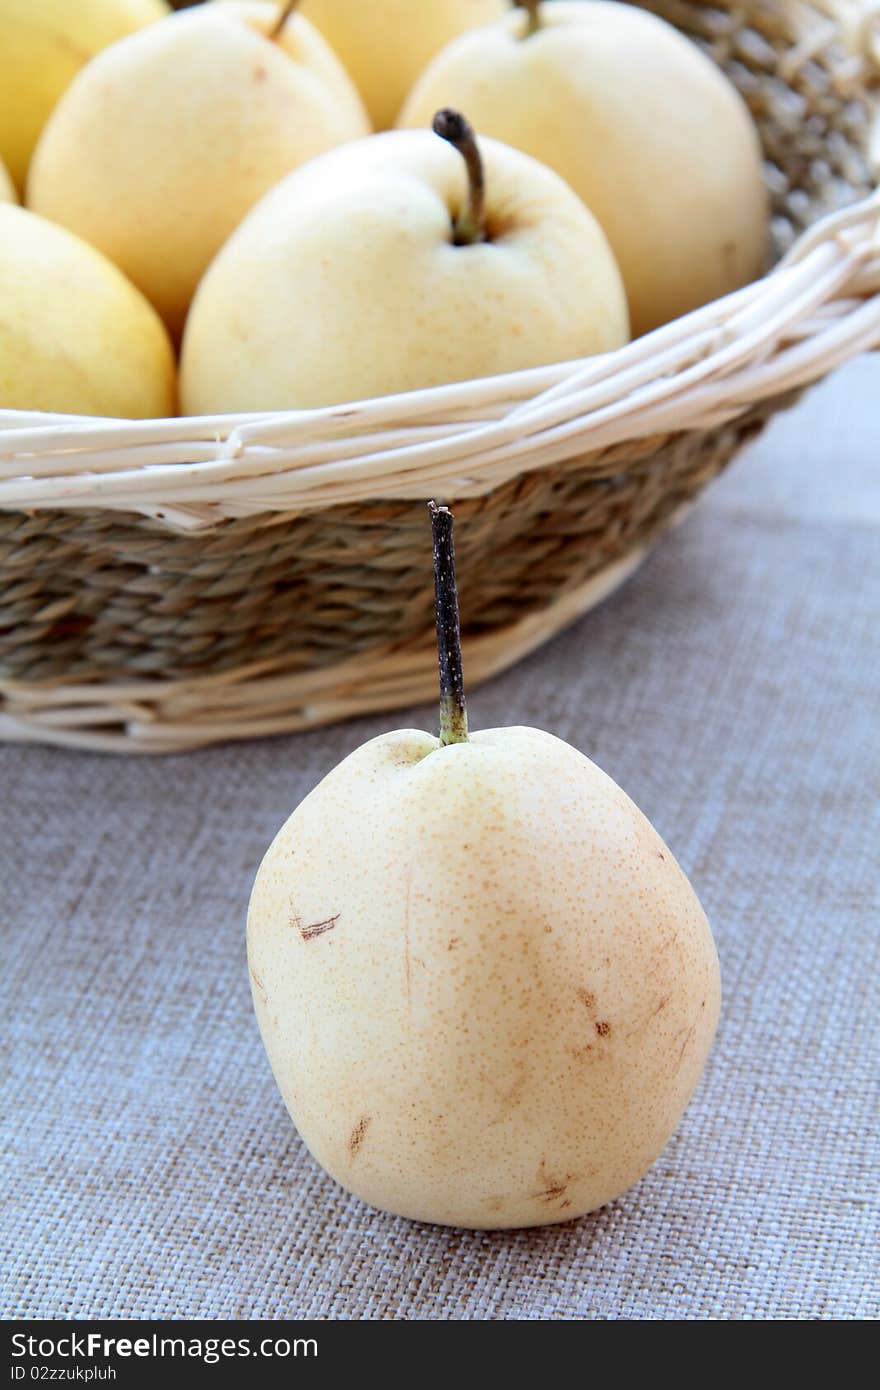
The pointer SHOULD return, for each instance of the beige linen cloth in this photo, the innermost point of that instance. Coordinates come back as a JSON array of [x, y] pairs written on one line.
[[733, 689]]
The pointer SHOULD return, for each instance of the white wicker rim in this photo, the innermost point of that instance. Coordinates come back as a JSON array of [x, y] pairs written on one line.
[[817, 308]]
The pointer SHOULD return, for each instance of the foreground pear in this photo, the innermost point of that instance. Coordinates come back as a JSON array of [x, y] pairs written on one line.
[[384, 44], [644, 127], [486, 989], [43, 45], [400, 262], [167, 139], [75, 335]]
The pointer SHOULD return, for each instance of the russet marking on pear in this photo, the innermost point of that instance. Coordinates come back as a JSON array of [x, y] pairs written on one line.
[[358, 1135], [318, 928]]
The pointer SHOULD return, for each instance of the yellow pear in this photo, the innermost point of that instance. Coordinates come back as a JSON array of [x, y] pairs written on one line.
[[7, 191], [75, 336], [386, 43], [372, 271], [164, 142], [644, 127], [485, 987], [43, 44]]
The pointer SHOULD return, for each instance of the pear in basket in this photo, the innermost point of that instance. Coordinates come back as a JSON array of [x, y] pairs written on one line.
[[644, 127], [75, 335], [384, 44], [44, 43], [485, 987], [399, 262], [166, 140]]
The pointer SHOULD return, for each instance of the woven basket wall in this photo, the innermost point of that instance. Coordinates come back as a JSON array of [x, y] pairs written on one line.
[[168, 584]]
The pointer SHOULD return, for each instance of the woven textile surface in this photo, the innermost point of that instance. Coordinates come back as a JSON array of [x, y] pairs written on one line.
[[732, 688]]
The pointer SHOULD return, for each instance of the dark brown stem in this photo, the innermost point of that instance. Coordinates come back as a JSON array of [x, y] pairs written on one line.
[[286, 11], [453, 715], [532, 9], [470, 224]]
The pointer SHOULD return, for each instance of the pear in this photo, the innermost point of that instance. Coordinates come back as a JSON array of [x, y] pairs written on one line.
[[385, 43], [165, 141], [485, 987], [43, 44], [645, 128], [75, 335], [400, 262], [7, 191]]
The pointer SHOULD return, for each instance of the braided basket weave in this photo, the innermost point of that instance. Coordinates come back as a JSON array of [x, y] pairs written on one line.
[[168, 584]]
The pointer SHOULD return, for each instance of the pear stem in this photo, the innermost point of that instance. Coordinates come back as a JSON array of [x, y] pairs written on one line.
[[470, 224], [532, 8], [286, 11], [453, 715]]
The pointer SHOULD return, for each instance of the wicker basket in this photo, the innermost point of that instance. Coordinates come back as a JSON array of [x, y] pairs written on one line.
[[168, 584]]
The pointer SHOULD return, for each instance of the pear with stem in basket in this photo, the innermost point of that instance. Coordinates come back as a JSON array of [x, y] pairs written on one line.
[[485, 987], [167, 139], [400, 262], [642, 125]]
